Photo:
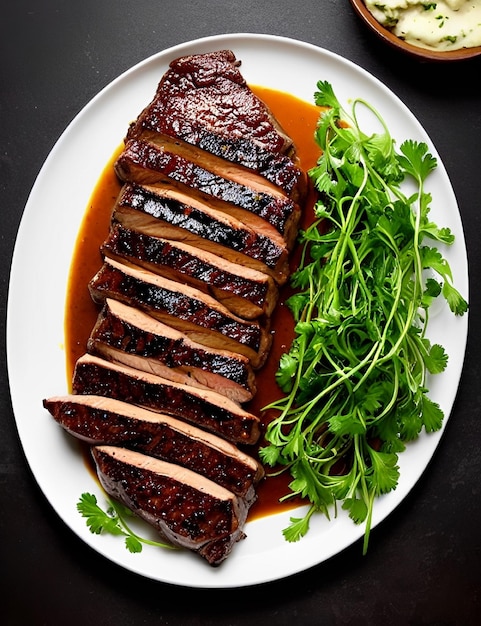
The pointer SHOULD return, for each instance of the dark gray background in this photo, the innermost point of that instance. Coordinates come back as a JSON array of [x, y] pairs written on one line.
[[424, 563]]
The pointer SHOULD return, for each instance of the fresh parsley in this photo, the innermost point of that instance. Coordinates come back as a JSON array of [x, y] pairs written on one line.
[[113, 521], [355, 377]]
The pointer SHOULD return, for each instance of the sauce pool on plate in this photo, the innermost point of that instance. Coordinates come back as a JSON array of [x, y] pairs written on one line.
[[299, 119]]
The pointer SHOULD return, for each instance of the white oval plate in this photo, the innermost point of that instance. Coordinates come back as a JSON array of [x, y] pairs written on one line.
[[35, 319]]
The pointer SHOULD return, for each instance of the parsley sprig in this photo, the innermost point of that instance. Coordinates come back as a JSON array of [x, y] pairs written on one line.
[[113, 521], [355, 377]]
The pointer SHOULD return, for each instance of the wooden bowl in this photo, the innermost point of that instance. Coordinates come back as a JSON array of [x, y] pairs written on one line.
[[415, 51]]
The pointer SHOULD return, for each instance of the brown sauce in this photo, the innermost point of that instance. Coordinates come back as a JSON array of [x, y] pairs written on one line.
[[298, 119]]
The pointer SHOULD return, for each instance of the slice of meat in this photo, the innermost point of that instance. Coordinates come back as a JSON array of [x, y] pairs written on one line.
[[206, 93], [237, 159], [126, 335], [187, 509], [145, 163], [244, 291], [204, 408], [194, 313], [98, 420], [167, 212]]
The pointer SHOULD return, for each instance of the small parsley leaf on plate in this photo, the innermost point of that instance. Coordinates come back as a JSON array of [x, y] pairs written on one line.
[[113, 521]]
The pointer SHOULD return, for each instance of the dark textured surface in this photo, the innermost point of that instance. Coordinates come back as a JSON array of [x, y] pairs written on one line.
[[424, 563]]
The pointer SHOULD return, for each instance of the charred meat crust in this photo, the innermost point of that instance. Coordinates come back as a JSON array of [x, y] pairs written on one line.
[[245, 292], [166, 212], [185, 308], [124, 330], [99, 420], [204, 408], [207, 93], [145, 163], [236, 158], [185, 508]]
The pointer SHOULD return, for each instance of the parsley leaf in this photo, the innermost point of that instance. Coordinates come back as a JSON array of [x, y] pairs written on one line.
[[113, 521], [357, 509], [298, 526], [98, 521]]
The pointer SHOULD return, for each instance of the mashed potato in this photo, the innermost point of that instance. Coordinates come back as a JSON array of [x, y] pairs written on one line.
[[436, 24]]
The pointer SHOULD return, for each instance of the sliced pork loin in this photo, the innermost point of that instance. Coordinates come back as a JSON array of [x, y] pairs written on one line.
[[187, 509], [205, 95], [127, 335], [164, 211], [246, 292], [236, 159], [146, 163], [198, 315], [204, 408], [98, 420]]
